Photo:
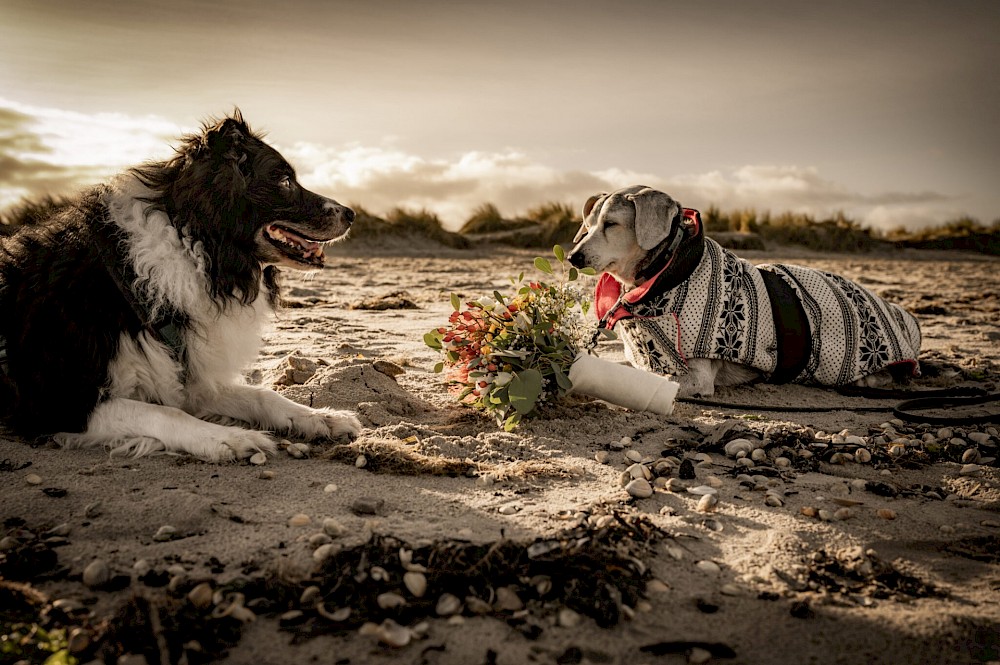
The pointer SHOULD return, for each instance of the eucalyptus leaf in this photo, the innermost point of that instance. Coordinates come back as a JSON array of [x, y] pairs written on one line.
[[588, 271], [433, 339], [438, 368], [512, 422], [559, 252], [543, 265], [573, 274], [456, 302], [524, 390], [561, 379]]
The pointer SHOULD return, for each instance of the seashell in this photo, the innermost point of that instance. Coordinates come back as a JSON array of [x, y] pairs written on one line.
[[379, 574], [92, 510], [338, 615], [957, 441], [971, 456], [703, 458], [978, 437], [333, 528], [201, 595], [886, 513], [699, 656], [639, 471], [737, 446], [569, 618], [854, 440], [713, 481], [896, 450], [602, 521], [318, 539], [368, 628], [759, 455], [602, 456], [96, 574], [633, 455], [731, 589], [542, 584], [825, 515], [330, 488], [258, 458], [675, 551], [805, 454], [808, 511], [945, 433], [79, 639], [447, 605], [707, 503], [625, 478], [266, 474], [164, 533], [8, 543], [843, 514], [300, 519], [33, 479], [947, 528], [391, 633], [657, 586], [508, 509], [507, 600], [841, 458], [969, 470], [774, 500], [675, 485], [661, 483], [299, 450], [68, 606], [416, 583], [639, 488], [310, 595], [324, 552], [477, 605], [862, 456], [782, 462], [390, 600], [406, 561], [708, 567], [703, 490], [745, 462], [361, 462]]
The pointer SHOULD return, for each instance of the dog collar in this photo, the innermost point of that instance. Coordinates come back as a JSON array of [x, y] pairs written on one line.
[[612, 305]]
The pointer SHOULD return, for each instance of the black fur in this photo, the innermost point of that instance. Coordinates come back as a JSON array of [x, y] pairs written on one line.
[[61, 311]]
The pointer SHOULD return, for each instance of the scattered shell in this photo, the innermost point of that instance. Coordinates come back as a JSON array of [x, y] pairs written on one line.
[[96, 574], [759, 455], [862, 456], [324, 552], [415, 583], [657, 586], [737, 446], [318, 539], [330, 488], [708, 567], [841, 458], [676, 552], [92, 510], [507, 600], [639, 471], [699, 656], [569, 618], [391, 633], [703, 490], [971, 456], [782, 462], [674, 485], [639, 488], [390, 600], [333, 528], [301, 519], [310, 595], [299, 450], [486, 480], [266, 475], [625, 441], [825, 515], [448, 605], [713, 481], [707, 503], [945, 433], [164, 533], [477, 605], [338, 615], [854, 440], [379, 574], [59, 531], [361, 461], [633, 455], [774, 500], [947, 528], [8, 543], [896, 450], [78, 640], [201, 595], [979, 437], [508, 509], [843, 514], [969, 470], [661, 483], [808, 511], [33, 479], [731, 590], [602, 456], [258, 459]]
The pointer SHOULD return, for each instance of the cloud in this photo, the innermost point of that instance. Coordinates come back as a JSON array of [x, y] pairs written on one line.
[[50, 151]]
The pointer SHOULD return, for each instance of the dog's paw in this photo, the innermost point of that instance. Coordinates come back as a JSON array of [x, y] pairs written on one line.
[[235, 443], [328, 424]]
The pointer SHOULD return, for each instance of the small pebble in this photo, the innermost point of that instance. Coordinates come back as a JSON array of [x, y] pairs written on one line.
[[886, 513], [633, 455], [299, 450], [708, 567], [507, 600], [843, 514], [361, 461], [310, 595], [391, 633], [96, 574], [390, 600], [782, 462], [92, 510], [626, 441], [714, 481], [707, 503], [969, 470], [745, 462], [854, 440], [571, 619], [447, 605], [324, 552], [674, 485], [947, 528], [201, 595], [736, 446], [266, 475], [657, 586], [602, 456], [773, 500], [759, 455], [330, 488], [367, 505], [8, 543], [33, 479], [415, 583], [825, 515], [699, 656], [731, 590], [944, 433], [333, 528], [862, 456], [508, 509], [301, 519], [258, 459]]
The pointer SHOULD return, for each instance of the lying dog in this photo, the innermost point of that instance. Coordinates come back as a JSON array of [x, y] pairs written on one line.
[[688, 308], [129, 314]]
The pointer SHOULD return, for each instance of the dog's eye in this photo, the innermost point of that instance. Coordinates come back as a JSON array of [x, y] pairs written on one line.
[[609, 224], [286, 182]]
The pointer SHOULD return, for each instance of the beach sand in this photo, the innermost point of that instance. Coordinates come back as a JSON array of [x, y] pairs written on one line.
[[908, 570]]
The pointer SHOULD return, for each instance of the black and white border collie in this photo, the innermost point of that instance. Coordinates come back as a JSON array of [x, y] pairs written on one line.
[[127, 316]]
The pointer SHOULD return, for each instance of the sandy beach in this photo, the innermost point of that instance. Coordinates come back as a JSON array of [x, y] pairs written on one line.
[[853, 537]]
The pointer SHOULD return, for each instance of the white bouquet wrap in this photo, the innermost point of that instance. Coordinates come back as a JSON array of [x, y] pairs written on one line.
[[623, 385]]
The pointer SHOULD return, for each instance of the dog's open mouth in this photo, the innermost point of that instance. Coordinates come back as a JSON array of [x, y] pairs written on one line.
[[295, 245]]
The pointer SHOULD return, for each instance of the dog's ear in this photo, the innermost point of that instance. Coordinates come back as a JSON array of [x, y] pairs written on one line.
[[226, 139], [589, 205], [654, 215]]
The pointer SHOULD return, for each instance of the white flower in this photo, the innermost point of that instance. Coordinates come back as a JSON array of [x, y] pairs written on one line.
[[503, 378]]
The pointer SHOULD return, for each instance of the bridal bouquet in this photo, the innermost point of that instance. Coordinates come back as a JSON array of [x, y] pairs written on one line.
[[506, 355]]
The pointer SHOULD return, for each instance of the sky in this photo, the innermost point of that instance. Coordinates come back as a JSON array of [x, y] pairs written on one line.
[[887, 111]]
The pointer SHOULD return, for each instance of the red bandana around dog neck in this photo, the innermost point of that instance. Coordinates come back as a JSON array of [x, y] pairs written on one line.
[[609, 302]]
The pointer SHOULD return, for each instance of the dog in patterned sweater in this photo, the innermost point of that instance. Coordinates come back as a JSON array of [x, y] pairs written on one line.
[[688, 308]]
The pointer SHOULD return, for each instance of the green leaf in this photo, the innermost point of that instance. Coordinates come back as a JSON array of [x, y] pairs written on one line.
[[588, 271], [433, 339], [573, 274], [544, 265], [524, 390], [512, 422], [561, 379], [456, 302], [438, 368], [608, 333], [559, 252], [452, 356], [498, 297]]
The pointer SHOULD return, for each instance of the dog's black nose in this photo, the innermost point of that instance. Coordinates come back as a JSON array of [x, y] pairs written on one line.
[[348, 215], [576, 260]]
